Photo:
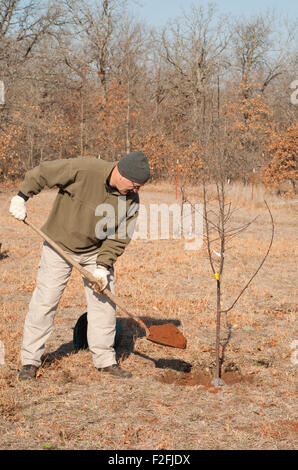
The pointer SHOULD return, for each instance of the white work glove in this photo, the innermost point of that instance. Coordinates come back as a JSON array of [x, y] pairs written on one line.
[[18, 208], [101, 274]]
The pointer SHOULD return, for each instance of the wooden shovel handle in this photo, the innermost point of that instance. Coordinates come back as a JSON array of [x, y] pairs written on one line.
[[87, 275]]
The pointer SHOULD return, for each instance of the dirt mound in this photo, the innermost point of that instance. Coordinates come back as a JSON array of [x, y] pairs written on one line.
[[201, 378]]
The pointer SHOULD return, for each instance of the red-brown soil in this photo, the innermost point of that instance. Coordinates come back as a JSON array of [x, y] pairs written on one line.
[[200, 378], [168, 335]]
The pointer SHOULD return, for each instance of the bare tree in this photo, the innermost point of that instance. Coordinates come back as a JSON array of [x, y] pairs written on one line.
[[130, 68], [220, 229], [261, 50], [219, 232], [94, 23], [23, 24], [193, 49]]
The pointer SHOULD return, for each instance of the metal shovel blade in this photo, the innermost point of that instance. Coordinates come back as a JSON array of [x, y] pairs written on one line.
[[168, 335]]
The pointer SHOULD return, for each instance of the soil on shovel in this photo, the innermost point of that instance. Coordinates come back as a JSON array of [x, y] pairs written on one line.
[[168, 335], [200, 378]]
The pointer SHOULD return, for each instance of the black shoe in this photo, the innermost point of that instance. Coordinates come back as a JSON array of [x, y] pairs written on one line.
[[28, 372], [116, 371]]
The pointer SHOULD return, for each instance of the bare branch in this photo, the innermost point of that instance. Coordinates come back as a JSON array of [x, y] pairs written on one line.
[[258, 269]]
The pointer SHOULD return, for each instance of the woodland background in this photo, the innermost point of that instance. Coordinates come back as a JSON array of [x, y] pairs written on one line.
[[85, 78]]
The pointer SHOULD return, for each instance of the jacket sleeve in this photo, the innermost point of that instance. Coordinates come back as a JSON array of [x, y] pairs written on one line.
[[114, 245], [50, 174]]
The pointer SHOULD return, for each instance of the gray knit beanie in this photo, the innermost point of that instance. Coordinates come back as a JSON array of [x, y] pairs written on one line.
[[135, 167]]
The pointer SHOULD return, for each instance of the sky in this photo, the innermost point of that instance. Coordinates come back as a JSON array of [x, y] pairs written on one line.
[[158, 12]]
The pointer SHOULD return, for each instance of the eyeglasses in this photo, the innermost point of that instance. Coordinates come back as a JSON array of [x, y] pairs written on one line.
[[136, 186]]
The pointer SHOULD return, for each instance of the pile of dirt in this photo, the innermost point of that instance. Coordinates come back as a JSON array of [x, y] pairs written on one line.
[[201, 378]]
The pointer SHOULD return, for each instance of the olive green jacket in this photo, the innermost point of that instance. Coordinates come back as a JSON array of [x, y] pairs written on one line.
[[87, 214]]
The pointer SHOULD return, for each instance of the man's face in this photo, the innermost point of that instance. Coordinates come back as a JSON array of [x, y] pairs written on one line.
[[124, 186]]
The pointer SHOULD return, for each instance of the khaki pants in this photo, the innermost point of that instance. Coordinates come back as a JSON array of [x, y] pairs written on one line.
[[52, 277]]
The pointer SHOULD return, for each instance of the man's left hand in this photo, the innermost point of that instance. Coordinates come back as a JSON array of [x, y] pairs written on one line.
[[101, 273]]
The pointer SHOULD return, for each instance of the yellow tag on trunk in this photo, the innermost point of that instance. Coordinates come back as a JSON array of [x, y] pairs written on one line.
[[216, 275]]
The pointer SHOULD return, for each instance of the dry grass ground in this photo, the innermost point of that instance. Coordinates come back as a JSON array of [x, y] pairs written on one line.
[[71, 406]]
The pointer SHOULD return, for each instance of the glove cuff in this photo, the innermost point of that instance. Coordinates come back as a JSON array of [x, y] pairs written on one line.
[[22, 195], [103, 266]]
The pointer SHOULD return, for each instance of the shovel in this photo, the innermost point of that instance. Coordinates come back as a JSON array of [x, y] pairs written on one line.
[[167, 334]]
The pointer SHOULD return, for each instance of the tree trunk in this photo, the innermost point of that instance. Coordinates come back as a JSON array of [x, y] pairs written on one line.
[[218, 314]]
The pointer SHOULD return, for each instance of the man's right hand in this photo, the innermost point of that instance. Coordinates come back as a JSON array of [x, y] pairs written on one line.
[[18, 208]]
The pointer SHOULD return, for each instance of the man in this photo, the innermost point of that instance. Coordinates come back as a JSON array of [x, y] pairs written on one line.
[[88, 189]]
